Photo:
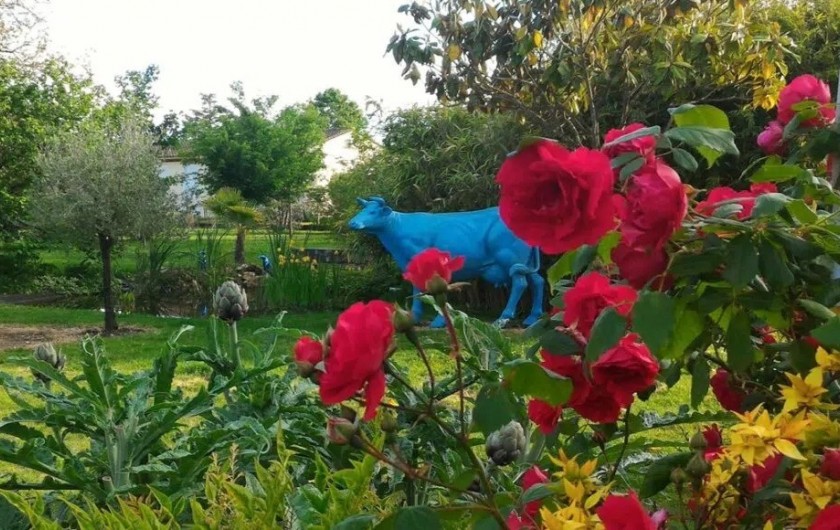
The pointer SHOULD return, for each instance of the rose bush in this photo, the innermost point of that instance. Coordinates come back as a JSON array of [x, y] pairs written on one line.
[[732, 289]]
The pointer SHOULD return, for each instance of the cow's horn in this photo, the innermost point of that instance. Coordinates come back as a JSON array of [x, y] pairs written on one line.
[[361, 201]]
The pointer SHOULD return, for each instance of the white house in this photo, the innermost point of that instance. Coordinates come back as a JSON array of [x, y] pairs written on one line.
[[189, 193], [339, 154]]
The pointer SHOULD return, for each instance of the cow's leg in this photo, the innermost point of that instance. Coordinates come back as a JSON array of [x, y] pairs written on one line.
[[537, 285], [438, 322], [518, 284], [416, 306]]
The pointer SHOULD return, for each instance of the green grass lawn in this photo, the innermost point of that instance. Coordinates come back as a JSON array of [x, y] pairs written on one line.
[[135, 352], [186, 252]]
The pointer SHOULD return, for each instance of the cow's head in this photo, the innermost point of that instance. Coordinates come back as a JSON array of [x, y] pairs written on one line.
[[373, 216]]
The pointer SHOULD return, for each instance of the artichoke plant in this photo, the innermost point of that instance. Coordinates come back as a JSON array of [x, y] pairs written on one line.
[[507, 444], [46, 352], [230, 302]]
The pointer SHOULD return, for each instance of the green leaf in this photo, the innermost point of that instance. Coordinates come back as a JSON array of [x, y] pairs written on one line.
[[775, 171], [584, 257], [606, 246], [559, 343], [801, 212], [527, 378], [609, 327], [653, 319], [690, 264], [773, 266], [658, 475], [623, 159], [560, 269], [647, 131], [769, 204], [536, 493], [710, 143], [739, 346], [829, 333], [741, 261], [816, 309], [356, 522], [494, 407], [417, 518], [689, 326], [685, 160], [707, 115], [699, 381], [630, 168]]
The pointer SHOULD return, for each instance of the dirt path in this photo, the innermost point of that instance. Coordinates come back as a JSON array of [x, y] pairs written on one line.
[[14, 336]]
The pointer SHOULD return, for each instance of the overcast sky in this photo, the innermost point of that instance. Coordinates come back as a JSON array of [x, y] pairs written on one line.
[[290, 48]]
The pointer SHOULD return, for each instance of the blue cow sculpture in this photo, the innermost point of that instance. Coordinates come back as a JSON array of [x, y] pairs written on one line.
[[491, 250]]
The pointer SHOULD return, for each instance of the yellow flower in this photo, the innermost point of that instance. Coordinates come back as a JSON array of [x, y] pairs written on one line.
[[818, 494], [830, 362], [759, 436], [822, 432], [803, 392], [577, 478], [571, 517]]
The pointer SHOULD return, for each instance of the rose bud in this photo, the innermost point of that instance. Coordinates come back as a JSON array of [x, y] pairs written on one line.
[[340, 431]]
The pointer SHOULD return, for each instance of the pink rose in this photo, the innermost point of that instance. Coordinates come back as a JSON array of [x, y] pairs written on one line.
[[771, 140], [806, 88], [655, 207]]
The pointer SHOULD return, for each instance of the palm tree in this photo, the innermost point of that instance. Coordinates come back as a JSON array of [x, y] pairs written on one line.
[[228, 204]]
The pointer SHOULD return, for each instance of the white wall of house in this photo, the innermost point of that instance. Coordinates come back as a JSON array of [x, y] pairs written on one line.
[[189, 193], [339, 155]]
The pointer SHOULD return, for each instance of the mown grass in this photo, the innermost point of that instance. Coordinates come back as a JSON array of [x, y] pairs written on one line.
[[129, 353], [187, 249]]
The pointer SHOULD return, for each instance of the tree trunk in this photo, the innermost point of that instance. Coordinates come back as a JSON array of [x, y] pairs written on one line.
[[105, 246], [239, 251]]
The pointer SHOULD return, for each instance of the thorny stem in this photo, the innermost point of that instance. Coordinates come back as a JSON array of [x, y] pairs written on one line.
[[412, 337], [405, 468], [623, 445], [456, 353]]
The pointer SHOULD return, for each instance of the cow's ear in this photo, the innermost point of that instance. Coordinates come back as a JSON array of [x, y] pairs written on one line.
[[385, 211], [361, 202]]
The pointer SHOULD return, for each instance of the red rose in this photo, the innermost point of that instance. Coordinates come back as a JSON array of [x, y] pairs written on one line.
[[572, 368], [639, 266], [544, 415], [531, 478], [555, 199], [771, 140], [644, 145], [358, 347], [761, 474], [599, 406], [745, 198], [830, 467], [714, 442], [591, 294], [827, 519], [811, 341], [624, 512], [805, 88], [729, 397], [625, 369], [655, 207], [429, 264], [516, 522], [309, 350]]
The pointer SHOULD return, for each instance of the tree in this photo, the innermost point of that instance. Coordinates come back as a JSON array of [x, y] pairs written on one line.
[[339, 110], [99, 185], [228, 204], [815, 27], [250, 149], [35, 103], [574, 68]]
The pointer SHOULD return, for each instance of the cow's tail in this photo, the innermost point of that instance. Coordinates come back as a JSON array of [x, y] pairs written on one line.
[[531, 267]]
